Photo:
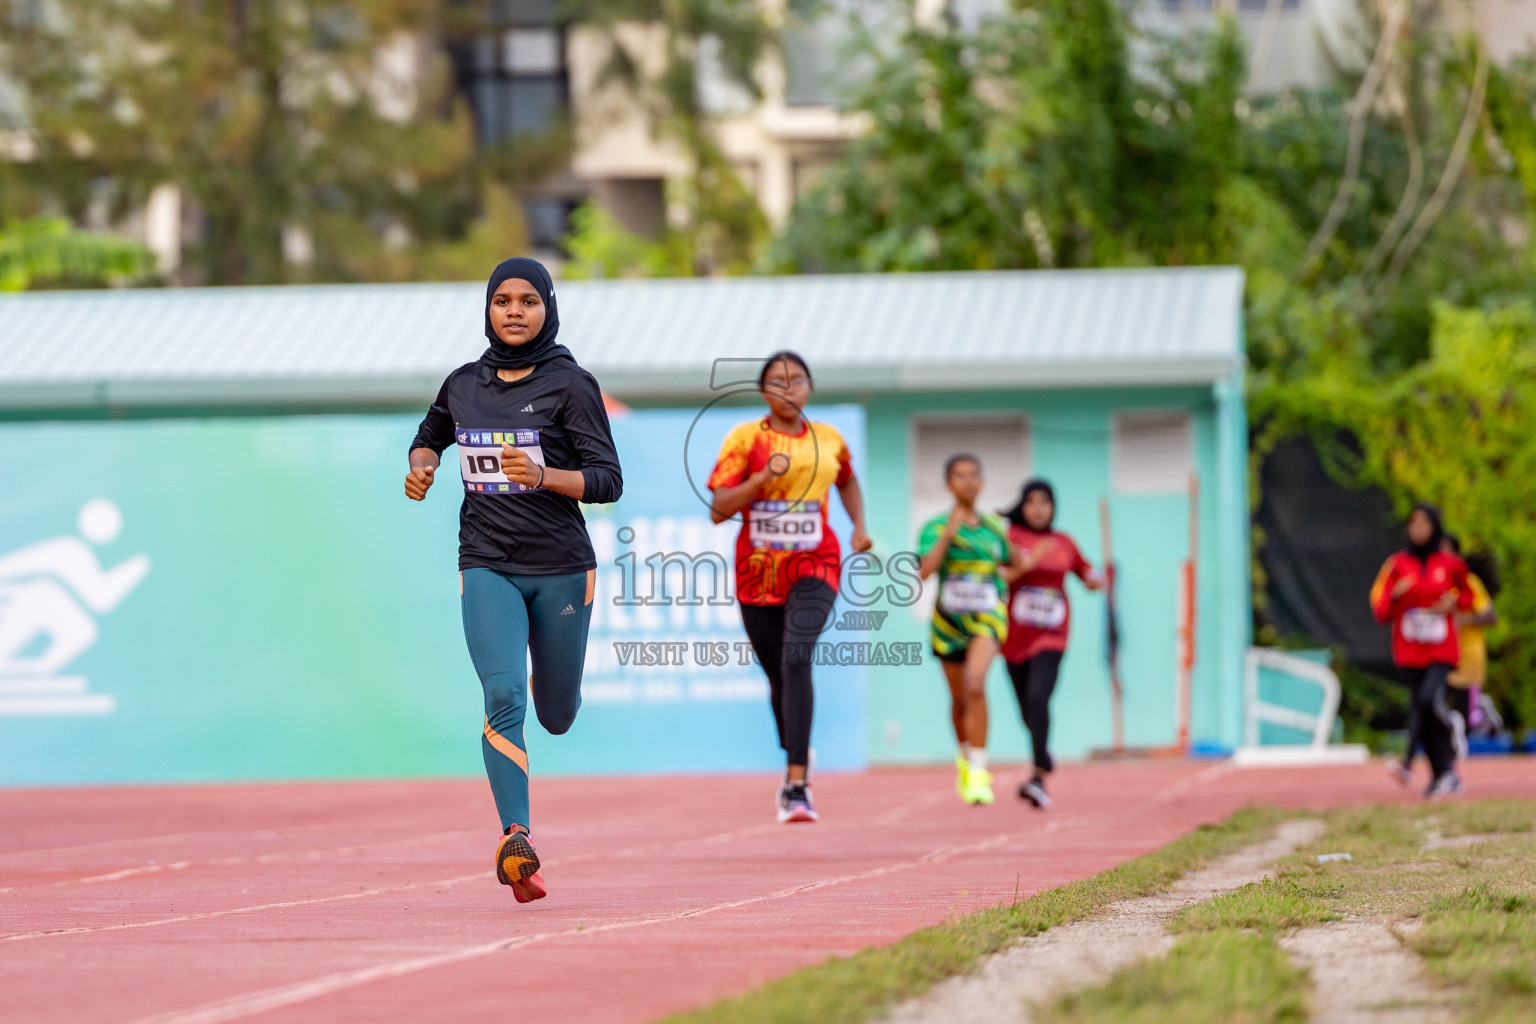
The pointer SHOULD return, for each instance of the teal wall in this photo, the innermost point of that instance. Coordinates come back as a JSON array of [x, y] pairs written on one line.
[[1070, 430]]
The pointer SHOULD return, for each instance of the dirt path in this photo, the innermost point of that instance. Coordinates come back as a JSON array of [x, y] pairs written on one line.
[[1362, 974], [1084, 953]]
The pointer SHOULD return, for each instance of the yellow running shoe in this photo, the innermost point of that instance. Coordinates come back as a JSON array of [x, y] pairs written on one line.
[[978, 787], [962, 773]]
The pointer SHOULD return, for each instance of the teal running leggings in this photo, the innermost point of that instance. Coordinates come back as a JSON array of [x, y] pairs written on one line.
[[506, 618]]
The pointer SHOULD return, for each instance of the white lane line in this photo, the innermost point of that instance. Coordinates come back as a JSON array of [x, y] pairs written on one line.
[[628, 852], [288, 995], [1200, 778], [899, 811], [89, 847], [148, 869], [264, 858], [386, 890], [182, 918]]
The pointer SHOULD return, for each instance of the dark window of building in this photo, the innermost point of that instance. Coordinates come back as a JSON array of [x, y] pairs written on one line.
[[512, 69], [548, 221]]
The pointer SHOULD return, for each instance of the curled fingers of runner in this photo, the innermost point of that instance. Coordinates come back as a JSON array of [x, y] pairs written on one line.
[[417, 481], [518, 466], [778, 463]]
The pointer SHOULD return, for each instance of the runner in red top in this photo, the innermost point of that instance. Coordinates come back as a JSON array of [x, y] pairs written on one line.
[[1418, 591], [1038, 617], [778, 472]]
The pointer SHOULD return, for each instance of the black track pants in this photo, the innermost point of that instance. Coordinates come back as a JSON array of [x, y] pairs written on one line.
[[784, 640], [1033, 683]]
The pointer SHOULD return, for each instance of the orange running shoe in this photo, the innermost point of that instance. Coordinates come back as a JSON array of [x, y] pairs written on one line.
[[517, 865]]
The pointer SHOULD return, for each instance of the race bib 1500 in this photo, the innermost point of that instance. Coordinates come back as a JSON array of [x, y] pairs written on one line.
[[1422, 626], [480, 459], [968, 595], [1041, 607], [785, 525]]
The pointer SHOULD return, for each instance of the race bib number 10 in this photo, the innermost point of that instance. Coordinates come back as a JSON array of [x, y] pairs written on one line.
[[480, 459]]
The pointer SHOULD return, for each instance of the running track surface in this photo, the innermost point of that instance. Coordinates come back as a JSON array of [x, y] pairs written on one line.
[[375, 901]]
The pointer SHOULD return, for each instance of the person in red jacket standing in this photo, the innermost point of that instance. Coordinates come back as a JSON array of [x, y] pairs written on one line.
[[1418, 591], [1038, 616]]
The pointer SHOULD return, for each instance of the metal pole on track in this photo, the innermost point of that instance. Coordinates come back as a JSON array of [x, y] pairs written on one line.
[[1116, 689]]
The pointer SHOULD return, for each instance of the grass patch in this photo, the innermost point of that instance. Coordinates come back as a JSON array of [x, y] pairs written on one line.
[[857, 988], [1268, 906], [1219, 977], [1483, 939], [1474, 905]]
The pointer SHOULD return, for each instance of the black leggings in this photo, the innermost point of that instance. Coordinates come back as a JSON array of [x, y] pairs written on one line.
[[784, 639], [1429, 718], [1034, 681]]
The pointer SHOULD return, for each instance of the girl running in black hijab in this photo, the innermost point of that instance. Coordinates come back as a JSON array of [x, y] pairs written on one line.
[[533, 442]]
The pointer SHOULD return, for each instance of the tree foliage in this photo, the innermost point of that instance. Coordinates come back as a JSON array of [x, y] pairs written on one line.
[[1455, 428], [1035, 141], [1385, 224], [702, 42], [50, 252], [325, 123]]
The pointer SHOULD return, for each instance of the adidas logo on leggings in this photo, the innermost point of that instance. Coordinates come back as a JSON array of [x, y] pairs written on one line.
[[568, 610]]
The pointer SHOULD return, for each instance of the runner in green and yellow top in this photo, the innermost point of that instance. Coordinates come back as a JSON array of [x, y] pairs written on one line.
[[966, 546]]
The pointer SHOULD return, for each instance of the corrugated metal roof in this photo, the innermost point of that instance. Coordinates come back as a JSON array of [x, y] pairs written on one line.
[[386, 343]]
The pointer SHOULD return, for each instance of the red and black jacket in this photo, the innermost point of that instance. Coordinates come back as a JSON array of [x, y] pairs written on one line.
[[1421, 637]]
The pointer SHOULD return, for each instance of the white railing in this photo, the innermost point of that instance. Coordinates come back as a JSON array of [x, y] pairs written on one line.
[[1258, 711]]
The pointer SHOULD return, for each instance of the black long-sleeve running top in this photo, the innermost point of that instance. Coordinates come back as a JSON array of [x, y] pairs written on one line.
[[555, 413]]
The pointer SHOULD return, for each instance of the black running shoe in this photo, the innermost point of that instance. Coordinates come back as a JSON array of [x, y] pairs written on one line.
[[1034, 792], [1445, 787], [795, 803]]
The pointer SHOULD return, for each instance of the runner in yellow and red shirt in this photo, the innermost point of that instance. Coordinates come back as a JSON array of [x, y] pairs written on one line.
[[777, 472]]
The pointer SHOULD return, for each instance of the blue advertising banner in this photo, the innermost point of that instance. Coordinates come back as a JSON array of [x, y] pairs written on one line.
[[244, 598]]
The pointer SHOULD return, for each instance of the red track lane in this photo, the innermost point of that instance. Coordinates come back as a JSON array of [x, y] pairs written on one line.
[[376, 901]]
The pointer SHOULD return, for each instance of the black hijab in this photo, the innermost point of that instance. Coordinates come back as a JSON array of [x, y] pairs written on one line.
[[542, 347], [1436, 537], [1016, 513]]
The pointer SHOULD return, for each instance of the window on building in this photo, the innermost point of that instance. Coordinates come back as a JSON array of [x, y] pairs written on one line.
[[1151, 452], [513, 71], [531, 51], [549, 220]]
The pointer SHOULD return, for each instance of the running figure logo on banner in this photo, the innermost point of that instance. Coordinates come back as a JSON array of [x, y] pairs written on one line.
[[50, 595]]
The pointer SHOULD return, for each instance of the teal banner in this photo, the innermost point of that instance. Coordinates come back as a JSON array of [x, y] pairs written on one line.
[[246, 598]]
